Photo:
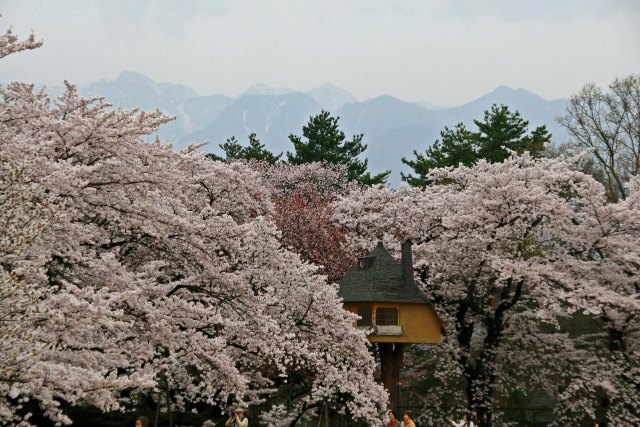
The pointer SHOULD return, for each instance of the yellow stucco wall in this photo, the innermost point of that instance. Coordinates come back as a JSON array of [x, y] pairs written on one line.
[[420, 323]]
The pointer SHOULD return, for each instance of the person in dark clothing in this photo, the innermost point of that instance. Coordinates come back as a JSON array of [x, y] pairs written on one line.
[[485, 421]]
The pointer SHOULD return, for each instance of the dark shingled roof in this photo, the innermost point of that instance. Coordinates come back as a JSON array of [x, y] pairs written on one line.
[[378, 278]]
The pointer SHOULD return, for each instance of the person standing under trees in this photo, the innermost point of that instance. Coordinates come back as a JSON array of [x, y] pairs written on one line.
[[408, 419], [464, 422], [475, 416], [142, 422], [393, 421], [237, 419], [485, 421]]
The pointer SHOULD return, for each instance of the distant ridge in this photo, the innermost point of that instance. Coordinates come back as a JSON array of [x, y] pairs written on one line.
[[392, 128]]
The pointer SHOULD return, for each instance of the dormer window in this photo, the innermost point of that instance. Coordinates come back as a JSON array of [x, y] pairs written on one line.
[[365, 261]]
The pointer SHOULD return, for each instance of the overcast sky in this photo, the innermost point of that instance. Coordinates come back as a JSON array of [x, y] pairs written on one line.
[[444, 52]]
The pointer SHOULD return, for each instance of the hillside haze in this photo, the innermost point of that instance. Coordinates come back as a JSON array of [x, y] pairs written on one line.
[[392, 128]]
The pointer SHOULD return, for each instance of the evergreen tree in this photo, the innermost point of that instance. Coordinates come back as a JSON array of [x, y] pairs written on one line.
[[456, 148], [255, 150], [325, 142], [501, 131]]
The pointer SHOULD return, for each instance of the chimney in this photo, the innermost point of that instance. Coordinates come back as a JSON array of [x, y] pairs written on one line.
[[407, 263]]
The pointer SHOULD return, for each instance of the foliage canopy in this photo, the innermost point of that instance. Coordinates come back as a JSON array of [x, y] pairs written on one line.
[[500, 132]]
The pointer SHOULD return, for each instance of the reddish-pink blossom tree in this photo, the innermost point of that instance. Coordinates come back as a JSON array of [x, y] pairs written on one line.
[[305, 219], [303, 197]]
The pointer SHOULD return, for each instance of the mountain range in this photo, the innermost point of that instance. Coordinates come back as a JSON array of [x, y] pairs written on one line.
[[392, 128]]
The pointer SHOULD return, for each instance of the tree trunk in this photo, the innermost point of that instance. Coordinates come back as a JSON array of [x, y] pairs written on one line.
[[391, 361], [168, 397], [327, 420], [157, 417]]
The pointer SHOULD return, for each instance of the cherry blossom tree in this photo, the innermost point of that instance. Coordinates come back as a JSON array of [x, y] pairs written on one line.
[[10, 43], [505, 251], [609, 365], [285, 179], [156, 270], [26, 215]]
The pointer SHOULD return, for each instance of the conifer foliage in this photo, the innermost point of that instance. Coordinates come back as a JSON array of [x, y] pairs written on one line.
[[325, 142], [233, 150], [500, 133]]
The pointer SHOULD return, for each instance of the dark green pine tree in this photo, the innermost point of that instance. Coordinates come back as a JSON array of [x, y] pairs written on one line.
[[501, 132], [325, 142], [455, 147], [255, 150]]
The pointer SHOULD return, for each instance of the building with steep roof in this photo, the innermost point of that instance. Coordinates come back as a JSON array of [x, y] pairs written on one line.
[[391, 307]]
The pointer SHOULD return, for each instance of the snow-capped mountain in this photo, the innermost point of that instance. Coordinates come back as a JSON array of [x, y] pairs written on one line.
[[331, 97], [263, 89]]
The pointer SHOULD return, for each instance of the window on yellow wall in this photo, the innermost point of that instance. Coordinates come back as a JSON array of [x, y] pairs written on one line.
[[365, 313], [386, 316]]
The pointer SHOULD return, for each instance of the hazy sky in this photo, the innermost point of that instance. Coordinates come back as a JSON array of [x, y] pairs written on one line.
[[444, 52]]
